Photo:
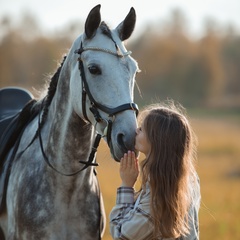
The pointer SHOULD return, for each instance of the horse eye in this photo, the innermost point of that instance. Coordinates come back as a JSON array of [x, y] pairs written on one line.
[[94, 70]]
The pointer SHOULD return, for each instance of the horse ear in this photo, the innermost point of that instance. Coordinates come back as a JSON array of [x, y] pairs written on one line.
[[93, 21], [126, 27]]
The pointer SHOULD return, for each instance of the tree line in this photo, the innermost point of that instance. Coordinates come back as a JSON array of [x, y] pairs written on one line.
[[201, 72]]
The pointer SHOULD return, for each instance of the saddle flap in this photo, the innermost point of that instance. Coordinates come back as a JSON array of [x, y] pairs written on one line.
[[12, 100]]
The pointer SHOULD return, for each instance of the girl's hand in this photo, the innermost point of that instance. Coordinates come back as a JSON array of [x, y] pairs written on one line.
[[129, 169]]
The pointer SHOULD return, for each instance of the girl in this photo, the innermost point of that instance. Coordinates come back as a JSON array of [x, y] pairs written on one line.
[[167, 205]]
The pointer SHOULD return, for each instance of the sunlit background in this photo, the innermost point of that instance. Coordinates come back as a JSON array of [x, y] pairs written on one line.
[[187, 50]]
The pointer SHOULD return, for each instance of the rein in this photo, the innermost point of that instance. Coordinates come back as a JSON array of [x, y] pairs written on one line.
[[95, 106], [88, 163]]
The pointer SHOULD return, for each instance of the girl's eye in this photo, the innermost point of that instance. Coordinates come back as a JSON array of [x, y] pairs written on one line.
[[140, 129], [94, 70]]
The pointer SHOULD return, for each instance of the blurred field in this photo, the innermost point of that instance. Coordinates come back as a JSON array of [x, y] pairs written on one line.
[[218, 166]]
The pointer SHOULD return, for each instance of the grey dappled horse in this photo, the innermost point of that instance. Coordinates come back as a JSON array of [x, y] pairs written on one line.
[[53, 191]]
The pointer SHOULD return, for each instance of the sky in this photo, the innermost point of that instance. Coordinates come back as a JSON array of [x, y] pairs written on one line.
[[53, 14]]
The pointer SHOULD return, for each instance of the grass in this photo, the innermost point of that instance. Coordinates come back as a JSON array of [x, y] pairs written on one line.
[[218, 167]]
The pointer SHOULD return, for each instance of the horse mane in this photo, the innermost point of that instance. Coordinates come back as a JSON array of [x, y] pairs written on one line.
[[51, 92], [44, 104]]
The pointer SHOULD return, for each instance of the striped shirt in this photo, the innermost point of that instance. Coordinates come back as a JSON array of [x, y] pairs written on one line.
[[130, 220]]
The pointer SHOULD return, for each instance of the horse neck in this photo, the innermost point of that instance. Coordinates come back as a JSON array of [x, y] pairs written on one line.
[[69, 138]]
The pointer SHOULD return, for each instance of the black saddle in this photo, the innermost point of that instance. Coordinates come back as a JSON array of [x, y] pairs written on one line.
[[12, 100], [15, 113]]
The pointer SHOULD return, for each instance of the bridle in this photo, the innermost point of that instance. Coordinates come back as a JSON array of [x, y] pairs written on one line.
[[94, 108]]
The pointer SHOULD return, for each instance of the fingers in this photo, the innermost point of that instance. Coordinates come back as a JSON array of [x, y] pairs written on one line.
[[123, 162], [129, 169], [137, 165], [128, 160]]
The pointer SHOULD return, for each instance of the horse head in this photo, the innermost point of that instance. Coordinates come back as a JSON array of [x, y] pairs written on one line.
[[103, 76]]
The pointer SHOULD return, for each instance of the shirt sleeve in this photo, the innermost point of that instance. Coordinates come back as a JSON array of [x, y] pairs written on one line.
[[128, 222]]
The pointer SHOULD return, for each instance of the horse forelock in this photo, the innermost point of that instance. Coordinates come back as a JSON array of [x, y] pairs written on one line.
[[105, 29]]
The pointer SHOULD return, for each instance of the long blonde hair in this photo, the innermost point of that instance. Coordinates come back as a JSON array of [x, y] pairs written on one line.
[[168, 168]]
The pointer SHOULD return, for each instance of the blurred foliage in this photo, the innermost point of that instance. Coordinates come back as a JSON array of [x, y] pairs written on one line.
[[202, 72], [196, 72]]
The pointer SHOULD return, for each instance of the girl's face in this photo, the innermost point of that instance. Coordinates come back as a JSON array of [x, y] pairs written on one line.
[[141, 142]]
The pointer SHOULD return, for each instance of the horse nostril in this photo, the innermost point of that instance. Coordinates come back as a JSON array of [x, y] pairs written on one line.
[[120, 140]]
